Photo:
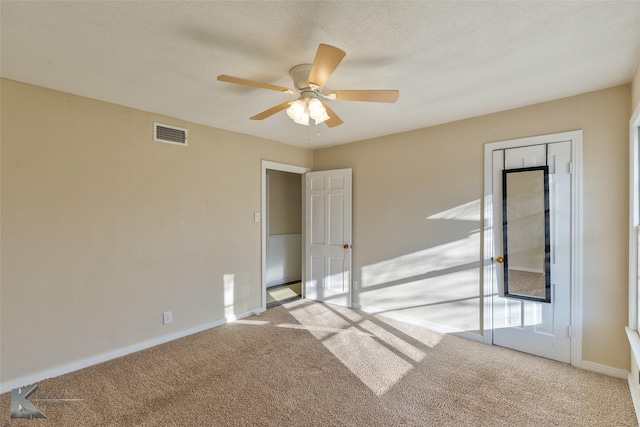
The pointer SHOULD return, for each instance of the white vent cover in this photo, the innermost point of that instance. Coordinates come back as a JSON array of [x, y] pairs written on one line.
[[169, 134]]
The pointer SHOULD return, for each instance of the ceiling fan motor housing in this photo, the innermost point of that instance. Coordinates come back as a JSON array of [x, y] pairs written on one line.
[[300, 76]]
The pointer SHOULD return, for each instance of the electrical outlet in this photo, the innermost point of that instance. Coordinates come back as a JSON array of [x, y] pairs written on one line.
[[355, 284], [167, 317]]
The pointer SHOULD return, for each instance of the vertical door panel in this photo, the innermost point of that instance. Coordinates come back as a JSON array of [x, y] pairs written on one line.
[[317, 230], [317, 269], [336, 275], [336, 219]]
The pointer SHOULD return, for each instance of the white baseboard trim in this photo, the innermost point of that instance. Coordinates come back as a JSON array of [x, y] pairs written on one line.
[[101, 358], [632, 380], [635, 397], [604, 370], [425, 324]]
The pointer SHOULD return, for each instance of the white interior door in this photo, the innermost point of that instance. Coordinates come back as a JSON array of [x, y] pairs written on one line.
[[534, 327], [328, 236]]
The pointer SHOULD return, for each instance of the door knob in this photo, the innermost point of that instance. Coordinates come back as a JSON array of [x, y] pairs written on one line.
[[499, 260], [346, 246]]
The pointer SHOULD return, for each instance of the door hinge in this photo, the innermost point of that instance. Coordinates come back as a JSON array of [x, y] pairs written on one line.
[[570, 331], [570, 167]]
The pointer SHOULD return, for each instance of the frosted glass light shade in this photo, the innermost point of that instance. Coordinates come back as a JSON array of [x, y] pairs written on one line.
[[322, 118], [316, 109], [296, 110], [303, 120], [302, 109]]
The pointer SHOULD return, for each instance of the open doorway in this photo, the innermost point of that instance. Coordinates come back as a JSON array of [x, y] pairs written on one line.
[[283, 221], [282, 231], [325, 234]]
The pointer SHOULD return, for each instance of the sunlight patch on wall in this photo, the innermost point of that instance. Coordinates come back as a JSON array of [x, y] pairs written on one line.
[[434, 260], [439, 285], [229, 289], [465, 212]]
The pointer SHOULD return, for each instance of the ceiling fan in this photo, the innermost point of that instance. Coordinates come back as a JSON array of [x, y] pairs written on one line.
[[308, 80]]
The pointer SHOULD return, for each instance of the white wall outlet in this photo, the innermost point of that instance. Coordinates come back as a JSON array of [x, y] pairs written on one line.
[[256, 216], [355, 284], [167, 317]]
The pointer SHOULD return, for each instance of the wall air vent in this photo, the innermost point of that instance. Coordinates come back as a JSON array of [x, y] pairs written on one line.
[[169, 134]]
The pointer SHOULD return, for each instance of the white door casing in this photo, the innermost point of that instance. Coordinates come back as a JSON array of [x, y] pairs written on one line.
[[301, 170], [535, 327], [328, 236]]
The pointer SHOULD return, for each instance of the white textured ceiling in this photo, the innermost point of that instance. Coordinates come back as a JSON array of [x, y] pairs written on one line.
[[449, 60]]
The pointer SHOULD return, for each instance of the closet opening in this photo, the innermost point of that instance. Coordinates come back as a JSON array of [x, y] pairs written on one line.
[[283, 223]]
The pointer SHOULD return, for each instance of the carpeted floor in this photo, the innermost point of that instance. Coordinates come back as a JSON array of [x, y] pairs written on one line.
[[527, 283], [311, 364]]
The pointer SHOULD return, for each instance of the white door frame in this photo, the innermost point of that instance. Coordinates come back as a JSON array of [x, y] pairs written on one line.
[[489, 274], [633, 329], [301, 170], [634, 222]]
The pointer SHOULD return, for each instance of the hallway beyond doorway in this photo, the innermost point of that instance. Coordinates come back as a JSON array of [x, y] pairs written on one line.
[[283, 293]]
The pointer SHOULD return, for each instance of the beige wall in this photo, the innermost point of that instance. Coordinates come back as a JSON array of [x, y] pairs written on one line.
[[285, 203], [103, 229], [417, 215], [635, 90]]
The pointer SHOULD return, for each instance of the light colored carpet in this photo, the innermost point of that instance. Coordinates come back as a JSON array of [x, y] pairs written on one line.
[[527, 283], [311, 364]]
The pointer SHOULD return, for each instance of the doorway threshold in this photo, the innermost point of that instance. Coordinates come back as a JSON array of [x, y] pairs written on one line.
[[284, 293]]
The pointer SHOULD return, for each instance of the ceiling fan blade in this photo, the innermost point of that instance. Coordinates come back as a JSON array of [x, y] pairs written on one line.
[[333, 120], [326, 60], [390, 96], [271, 111], [239, 81]]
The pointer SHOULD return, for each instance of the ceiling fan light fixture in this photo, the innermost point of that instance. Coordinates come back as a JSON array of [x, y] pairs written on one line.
[[308, 81], [316, 109], [296, 110], [322, 119], [299, 112], [302, 109], [303, 121]]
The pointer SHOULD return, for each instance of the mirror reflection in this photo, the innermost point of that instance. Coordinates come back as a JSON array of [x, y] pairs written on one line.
[[526, 233]]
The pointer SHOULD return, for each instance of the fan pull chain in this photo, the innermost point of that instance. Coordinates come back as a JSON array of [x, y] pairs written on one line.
[[309, 136]]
